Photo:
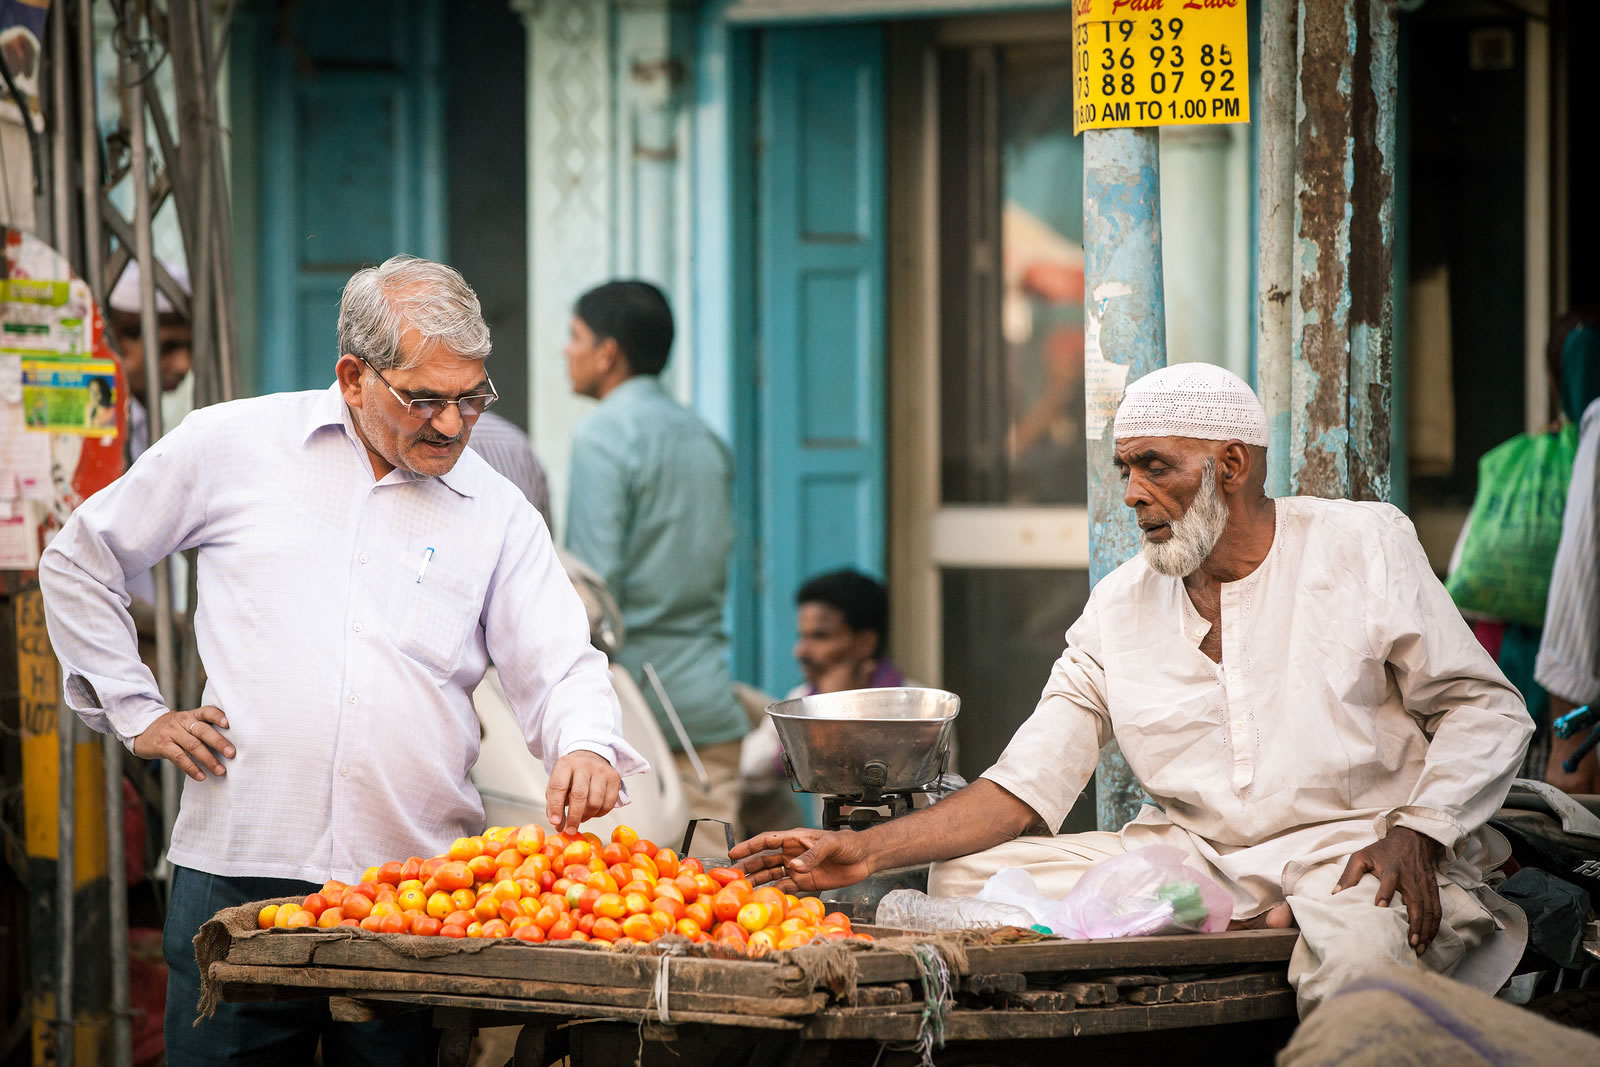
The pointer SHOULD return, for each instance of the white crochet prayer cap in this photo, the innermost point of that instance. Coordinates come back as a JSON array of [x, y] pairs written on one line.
[[1192, 400], [125, 294]]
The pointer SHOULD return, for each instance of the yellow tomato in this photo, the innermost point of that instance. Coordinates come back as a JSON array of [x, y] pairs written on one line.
[[754, 916], [440, 904]]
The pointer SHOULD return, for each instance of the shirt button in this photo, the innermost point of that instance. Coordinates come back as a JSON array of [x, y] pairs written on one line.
[[352, 698], [362, 557], [356, 627], [1238, 724], [344, 771]]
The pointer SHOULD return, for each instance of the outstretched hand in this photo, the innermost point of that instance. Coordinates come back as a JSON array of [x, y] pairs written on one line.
[[583, 785], [803, 860], [1406, 861]]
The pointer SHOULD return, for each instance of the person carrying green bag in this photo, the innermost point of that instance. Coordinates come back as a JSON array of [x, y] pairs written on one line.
[[1501, 569]]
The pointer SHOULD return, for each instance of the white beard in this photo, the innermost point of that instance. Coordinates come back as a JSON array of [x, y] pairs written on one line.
[[1193, 536]]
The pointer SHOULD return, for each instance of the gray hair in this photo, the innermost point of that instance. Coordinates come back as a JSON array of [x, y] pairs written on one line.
[[380, 303]]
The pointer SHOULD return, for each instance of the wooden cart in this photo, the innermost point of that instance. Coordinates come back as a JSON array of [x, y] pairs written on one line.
[[1013, 1003]]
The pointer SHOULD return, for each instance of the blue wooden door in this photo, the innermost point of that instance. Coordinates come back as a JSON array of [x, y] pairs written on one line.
[[351, 167], [821, 300]]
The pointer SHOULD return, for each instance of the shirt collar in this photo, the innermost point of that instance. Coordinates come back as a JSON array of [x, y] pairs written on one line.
[[638, 386], [331, 410]]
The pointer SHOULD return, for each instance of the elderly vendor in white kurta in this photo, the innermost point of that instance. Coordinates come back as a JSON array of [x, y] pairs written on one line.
[[1291, 684]]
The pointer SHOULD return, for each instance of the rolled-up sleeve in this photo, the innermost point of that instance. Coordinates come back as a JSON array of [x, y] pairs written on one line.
[[1049, 760], [1477, 724], [157, 508], [538, 637], [1569, 651]]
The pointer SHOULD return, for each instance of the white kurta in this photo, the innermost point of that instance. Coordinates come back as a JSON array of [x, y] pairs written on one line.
[[1351, 698]]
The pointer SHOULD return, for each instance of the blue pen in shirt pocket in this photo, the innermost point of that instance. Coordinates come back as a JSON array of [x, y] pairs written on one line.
[[427, 557]]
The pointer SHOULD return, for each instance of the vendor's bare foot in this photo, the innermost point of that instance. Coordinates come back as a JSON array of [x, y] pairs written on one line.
[[1277, 918]]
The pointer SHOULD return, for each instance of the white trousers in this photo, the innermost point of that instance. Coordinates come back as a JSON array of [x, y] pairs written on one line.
[[1342, 936]]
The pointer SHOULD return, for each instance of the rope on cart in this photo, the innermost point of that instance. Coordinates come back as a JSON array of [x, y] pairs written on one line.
[[938, 997]]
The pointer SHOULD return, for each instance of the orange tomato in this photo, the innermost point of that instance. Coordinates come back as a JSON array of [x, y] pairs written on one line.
[[482, 868], [510, 909], [725, 875], [762, 942], [836, 918], [389, 873], [688, 928], [771, 897], [729, 931], [577, 872], [686, 886], [507, 890], [622, 872], [725, 905], [815, 906], [668, 890], [637, 926], [608, 929], [578, 852], [561, 929], [603, 882], [667, 863], [614, 854], [413, 900], [373, 924], [754, 916], [530, 839], [546, 917], [585, 923], [411, 869], [452, 930], [610, 906], [645, 845], [453, 876], [463, 899], [357, 905], [393, 923], [668, 906], [531, 932], [802, 914], [707, 885], [624, 836], [578, 935], [486, 908], [430, 867], [465, 848], [636, 903], [426, 926], [700, 912], [459, 917], [692, 865], [366, 889], [662, 922], [496, 928], [789, 941], [301, 920], [638, 885], [330, 918], [266, 916], [474, 929], [642, 862], [439, 904]]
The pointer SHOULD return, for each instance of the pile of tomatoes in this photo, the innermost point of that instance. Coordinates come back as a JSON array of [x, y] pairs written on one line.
[[532, 887]]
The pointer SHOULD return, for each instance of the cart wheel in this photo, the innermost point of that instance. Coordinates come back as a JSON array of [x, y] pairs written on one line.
[[531, 1047]]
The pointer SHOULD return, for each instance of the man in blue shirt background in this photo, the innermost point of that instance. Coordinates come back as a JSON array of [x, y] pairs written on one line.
[[651, 509]]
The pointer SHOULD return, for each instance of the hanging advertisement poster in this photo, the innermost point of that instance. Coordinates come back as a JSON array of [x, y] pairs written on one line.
[[74, 397]]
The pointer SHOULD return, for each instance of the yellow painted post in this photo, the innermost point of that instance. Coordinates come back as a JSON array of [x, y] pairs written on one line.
[[39, 694]]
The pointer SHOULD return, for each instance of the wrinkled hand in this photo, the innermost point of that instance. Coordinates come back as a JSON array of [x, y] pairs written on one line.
[[582, 786], [1407, 861], [190, 739], [803, 860]]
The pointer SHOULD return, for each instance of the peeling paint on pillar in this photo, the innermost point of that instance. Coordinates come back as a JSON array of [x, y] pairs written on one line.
[[1125, 316], [1343, 296]]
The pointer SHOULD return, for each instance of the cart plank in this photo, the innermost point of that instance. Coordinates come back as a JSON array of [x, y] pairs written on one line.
[[550, 963], [525, 1012], [903, 1024], [1186, 950], [301, 980]]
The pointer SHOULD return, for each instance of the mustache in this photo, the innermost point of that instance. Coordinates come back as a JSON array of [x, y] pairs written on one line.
[[437, 439]]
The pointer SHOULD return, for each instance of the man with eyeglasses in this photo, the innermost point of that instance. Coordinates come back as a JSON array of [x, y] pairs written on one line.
[[358, 569]]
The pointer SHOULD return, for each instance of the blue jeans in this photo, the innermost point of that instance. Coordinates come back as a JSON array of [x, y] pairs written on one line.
[[270, 1033]]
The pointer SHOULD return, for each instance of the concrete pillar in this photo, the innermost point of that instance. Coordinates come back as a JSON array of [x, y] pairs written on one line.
[[1124, 339]]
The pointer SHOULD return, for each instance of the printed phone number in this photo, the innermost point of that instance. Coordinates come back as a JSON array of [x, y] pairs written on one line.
[[1110, 60]]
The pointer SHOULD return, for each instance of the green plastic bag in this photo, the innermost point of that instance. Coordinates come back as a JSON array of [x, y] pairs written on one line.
[[1515, 528]]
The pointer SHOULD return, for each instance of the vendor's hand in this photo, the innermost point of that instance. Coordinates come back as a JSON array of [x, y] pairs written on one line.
[[1407, 861], [189, 739], [582, 786], [803, 860]]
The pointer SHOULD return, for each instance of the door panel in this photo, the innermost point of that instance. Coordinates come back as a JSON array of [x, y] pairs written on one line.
[[350, 149], [821, 334]]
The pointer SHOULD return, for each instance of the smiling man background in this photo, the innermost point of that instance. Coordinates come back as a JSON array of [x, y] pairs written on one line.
[[1292, 686], [358, 569]]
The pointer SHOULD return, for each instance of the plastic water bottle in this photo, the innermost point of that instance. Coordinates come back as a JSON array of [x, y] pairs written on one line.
[[908, 909]]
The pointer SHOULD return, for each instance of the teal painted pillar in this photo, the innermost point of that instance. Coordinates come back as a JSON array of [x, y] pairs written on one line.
[[1124, 339]]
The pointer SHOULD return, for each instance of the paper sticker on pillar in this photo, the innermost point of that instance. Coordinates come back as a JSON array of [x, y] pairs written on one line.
[[1103, 380], [1159, 63]]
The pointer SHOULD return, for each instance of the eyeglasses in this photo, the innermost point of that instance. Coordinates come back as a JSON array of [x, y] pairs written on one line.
[[469, 407]]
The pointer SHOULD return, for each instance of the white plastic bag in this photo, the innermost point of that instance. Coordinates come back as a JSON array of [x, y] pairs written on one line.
[[1147, 891]]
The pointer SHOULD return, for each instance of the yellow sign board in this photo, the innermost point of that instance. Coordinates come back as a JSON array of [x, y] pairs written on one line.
[[1159, 63]]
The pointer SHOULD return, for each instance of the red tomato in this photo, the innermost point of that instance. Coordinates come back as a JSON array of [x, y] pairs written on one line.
[[426, 926], [356, 906], [496, 928], [532, 932], [453, 876], [608, 929], [667, 863], [561, 929], [411, 868], [637, 926], [692, 865], [389, 873], [725, 905], [645, 845], [316, 904], [452, 930]]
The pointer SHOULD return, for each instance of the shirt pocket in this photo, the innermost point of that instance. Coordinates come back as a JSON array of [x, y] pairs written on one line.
[[430, 620]]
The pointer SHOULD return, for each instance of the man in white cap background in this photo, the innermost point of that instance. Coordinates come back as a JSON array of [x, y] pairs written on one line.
[[1293, 687], [173, 335]]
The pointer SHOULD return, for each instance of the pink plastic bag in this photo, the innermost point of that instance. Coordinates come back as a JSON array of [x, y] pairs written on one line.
[[1147, 891]]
